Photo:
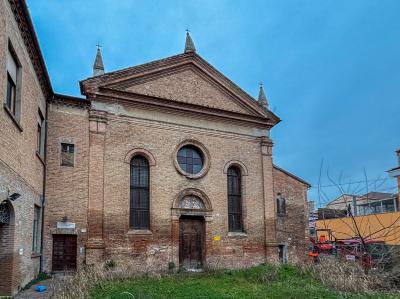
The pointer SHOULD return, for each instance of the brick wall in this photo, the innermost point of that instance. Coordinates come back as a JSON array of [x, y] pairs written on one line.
[[166, 183], [66, 187], [111, 142], [292, 228], [21, 170], [18, 149], [7, 255]]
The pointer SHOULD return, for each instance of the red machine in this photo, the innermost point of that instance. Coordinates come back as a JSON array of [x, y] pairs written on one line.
[[322, 244], [375, 254]]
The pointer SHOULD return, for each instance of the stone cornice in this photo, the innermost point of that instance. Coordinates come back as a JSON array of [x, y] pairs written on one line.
[[188, 129], [98, 116], [171, 106], [25, 25]]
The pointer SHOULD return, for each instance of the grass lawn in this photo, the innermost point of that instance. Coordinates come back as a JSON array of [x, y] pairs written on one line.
[[257, 282]]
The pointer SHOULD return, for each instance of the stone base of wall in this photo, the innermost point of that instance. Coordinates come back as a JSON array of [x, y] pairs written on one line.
[[272, 253], [95, 252], [147, 256]]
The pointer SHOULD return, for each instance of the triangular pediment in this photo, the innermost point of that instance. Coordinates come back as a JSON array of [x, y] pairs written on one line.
[[186, 85], [185, 78]]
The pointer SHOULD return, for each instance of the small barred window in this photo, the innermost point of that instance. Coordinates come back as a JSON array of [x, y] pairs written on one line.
[[67, 154], [281, 205]]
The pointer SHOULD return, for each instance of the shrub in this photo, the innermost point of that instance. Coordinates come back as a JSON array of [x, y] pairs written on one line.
[[352, 277]]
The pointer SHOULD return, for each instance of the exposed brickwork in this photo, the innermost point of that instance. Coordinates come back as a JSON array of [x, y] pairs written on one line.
[[160, 246], [25, 263], [7, 256], [67, 188], [21, 170], [187, 86], [292, 228], [18, 149], [167, 183]]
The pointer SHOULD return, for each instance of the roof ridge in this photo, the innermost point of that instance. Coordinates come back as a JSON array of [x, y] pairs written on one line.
[[139, 66]]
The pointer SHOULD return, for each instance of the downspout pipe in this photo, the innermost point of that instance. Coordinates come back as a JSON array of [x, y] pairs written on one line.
[[43, 203]]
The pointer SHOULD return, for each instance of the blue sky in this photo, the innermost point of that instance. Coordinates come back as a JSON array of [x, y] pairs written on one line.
[[331, 69]]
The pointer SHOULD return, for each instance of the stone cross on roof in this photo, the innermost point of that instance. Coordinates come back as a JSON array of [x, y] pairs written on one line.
[[189, 44]]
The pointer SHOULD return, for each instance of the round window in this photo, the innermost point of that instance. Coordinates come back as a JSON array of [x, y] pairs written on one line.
[[190, 159]]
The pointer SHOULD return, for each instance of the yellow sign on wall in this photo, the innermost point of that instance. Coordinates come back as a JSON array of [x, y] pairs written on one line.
[[217, 238]]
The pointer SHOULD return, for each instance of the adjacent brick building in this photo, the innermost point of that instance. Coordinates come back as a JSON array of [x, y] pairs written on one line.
[[24, 90], [165, 164]]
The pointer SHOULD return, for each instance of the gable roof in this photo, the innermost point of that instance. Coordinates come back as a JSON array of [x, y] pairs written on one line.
[[346, 198], [343, 198], [292, 176], [119, 81], [376, 196]]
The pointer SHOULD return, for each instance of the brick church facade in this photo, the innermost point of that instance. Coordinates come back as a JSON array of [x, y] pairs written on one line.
[[164, 165]]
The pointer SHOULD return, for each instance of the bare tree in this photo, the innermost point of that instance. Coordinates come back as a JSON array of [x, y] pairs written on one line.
[[360, 227]]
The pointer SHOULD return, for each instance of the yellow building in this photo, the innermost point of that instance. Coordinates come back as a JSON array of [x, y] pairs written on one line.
[[384, 227]]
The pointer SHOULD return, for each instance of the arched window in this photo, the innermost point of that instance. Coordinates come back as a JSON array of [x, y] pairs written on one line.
[[235, 218], [140, 199]]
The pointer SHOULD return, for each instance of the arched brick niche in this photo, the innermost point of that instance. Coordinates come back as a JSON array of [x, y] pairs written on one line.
[[193, 202], [237, 163], [7, 253], [142, 152]]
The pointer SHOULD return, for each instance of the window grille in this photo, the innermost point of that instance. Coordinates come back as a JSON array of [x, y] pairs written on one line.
[[235, 217], [139, 201]]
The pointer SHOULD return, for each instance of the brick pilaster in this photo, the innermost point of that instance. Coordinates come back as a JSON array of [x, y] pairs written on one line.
[[271, 246], [97, 129]]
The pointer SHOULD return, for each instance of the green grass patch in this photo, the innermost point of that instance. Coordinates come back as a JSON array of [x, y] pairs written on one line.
[[258, 282]]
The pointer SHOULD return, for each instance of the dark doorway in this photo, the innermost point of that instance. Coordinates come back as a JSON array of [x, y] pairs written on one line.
[[64, 252], [191, 242], [283, 253], [7, 279]]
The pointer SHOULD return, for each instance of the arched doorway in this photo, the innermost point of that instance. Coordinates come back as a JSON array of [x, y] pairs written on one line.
[[191, 210], [7, 226]]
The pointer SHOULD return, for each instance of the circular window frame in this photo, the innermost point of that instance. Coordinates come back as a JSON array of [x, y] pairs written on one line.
[[203, 151]]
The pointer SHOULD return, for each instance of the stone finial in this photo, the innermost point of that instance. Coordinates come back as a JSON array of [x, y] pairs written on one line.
[[189, 44], [98, 67], [262, 99]]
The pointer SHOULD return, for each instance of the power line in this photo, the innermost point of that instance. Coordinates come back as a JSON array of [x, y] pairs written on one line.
[[350, 183]]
